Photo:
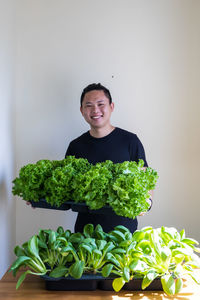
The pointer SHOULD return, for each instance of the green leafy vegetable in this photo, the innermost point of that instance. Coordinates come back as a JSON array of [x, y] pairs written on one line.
[[147, 254], [124, 186]]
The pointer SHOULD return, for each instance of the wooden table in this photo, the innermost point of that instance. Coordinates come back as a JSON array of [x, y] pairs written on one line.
[[34, 288]]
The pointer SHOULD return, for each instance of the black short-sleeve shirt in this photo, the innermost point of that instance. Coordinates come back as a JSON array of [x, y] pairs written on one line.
[[118, 146]]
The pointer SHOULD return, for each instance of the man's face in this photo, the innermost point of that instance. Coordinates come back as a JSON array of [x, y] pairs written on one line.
[[96, 109]]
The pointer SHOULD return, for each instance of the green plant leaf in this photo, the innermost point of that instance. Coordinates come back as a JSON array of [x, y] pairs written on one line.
[[195, 276], [178, 285], [88, 230], [101, 244], [76, 270], [19, 251], [119, 235], [106, 270], [138, 266], [19, 261], [23, 276], [122, 228], [60, 230], [76, 238], [33, 246], [126, 274], [118, 251], [58, 272], [189, 241], [168, 284], [148, 278], [118, 284], [86, 247]]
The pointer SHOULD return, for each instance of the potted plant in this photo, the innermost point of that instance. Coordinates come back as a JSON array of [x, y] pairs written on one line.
[[106, 187], [118, 257]]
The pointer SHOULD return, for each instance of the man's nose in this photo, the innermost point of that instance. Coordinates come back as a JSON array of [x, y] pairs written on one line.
[[95, 108]]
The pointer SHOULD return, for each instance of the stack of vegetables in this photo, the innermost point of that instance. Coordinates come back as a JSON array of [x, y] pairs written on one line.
[[123, 186], [147, 253]]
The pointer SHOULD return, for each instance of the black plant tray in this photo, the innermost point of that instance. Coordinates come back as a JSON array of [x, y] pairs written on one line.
[[76, 207], [43, 204], [133, 285], [82, 207], [93, 282]]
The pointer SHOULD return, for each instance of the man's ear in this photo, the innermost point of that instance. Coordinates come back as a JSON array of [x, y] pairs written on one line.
[[81, 110], [112, 105]]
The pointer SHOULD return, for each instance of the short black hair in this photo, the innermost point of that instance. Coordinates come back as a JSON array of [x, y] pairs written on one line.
[[97, 87]]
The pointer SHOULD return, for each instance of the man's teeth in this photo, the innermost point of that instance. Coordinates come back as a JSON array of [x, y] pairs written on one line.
[[97, 117]]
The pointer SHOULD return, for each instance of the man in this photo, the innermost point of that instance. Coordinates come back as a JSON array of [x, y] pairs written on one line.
[[104, 142]]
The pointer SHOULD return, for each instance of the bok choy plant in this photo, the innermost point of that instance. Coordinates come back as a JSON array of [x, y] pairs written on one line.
[[147, 254]]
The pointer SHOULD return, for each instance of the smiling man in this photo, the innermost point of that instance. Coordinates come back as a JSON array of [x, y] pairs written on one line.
[[104, 142]]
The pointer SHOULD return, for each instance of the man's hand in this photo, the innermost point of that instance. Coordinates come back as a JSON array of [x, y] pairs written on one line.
[[29, 203], [149, 200]]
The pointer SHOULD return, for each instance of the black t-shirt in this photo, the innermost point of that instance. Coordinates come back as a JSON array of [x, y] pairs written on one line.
[[118, 146]]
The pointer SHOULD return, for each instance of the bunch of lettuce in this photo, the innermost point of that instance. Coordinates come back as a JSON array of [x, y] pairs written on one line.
[[92, 186], [130, 188], [123, 186]]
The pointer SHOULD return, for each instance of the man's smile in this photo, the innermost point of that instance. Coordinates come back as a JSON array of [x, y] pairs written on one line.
[[96, 117]]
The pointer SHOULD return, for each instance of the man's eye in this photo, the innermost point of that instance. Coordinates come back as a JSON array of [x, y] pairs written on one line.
[[101, 104]]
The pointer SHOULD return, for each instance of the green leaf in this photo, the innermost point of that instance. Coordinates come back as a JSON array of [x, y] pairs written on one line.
[[52, 237], [168, 284], [148, 278], [21, 279], [86, 247], [118, 250], [119, 235], [33, 246], [122, 228], [19, 261], [60, 230], [106, 270], [58, 272], [126, 274], [97, 252], [101, 244], [184, 251], [118, 284], [76, 270], [195, 276], [23, 276], [138, 266], [182, 234], [76, 238], [165, 254], [19, 251], [189, 241], [178, 285], [108, 247], [88, 230]]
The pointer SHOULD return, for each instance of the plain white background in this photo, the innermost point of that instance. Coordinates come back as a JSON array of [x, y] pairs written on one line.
[[147, 54]]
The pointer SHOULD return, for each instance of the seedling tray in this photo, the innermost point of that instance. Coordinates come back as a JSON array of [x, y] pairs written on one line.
[[93, 282], [76, 207], [82, 207], [43, 204]]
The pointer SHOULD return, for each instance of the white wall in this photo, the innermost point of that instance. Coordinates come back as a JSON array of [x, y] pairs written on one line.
[[147, 53], [7, 205]]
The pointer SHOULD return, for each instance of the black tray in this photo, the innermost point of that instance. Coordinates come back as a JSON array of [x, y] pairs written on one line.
[[43, 204], [76, 207], [86, 283], [93, 282], [133, 285], [82, 207]]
